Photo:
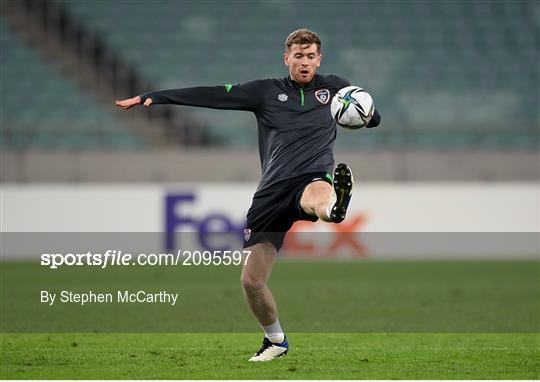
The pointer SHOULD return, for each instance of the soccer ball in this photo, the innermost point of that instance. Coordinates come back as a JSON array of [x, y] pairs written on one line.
[[352, 107]]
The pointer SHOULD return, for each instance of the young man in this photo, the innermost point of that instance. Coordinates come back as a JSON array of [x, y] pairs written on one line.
[[296, 138]]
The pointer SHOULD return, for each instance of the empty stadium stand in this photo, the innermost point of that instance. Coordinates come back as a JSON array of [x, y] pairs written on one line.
[[444, 74], [42, 109]]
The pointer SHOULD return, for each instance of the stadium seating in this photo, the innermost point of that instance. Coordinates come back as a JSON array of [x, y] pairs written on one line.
[[443, 73], [42, 109]]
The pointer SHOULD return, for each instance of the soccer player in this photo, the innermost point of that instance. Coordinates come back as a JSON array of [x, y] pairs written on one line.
[[296, 138]]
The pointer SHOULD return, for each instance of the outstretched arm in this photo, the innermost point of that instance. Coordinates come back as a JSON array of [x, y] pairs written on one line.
[[231, 97], [130, 102]]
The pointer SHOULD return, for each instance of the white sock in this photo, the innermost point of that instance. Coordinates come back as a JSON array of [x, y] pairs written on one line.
[[274, 332], [329, 211], [330, 205]]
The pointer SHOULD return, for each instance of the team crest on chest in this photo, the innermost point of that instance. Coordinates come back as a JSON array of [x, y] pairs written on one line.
[[323, 96]]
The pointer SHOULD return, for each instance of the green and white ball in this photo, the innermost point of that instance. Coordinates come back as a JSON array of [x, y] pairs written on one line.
[[352, 107]]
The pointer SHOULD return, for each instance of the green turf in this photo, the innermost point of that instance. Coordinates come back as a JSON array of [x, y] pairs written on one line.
[[442, 319], [339, 296], [312, 356]]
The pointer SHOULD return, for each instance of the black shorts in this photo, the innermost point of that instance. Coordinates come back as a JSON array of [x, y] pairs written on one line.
[[275, 209]]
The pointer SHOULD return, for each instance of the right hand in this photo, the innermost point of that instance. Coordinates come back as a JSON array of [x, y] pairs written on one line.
[[130, 102]]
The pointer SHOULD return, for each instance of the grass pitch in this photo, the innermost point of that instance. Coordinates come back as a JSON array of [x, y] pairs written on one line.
[[344, 320], [312, 356]]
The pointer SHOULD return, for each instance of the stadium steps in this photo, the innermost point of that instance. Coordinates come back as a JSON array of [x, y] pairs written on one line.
[[97, 121], [43, 110]]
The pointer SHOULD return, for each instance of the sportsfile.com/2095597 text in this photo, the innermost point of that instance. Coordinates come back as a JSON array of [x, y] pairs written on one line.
[[118, 258]]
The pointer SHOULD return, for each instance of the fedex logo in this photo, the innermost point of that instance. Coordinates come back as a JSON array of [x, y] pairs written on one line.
[[215, 231], [335, 240]]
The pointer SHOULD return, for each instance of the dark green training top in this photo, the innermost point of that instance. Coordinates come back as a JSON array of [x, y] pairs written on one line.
[[296, 129]]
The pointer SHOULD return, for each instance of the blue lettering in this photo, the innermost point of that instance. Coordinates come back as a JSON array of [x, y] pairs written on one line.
[[216, 231], [172, 220]]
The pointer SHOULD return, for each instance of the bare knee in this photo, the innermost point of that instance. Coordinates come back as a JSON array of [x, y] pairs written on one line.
[[315, 194], [258, 267], [251, 283], [315, 197]]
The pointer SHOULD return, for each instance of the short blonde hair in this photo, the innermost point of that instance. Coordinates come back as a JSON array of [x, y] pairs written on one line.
[[303, 37]]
